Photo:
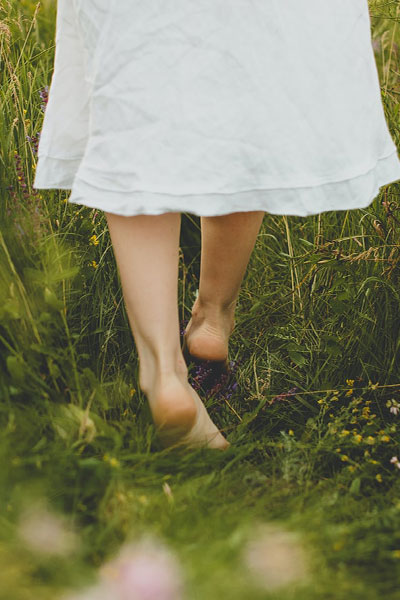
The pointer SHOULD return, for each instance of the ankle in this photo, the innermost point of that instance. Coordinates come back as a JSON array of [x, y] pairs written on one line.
[[213, 308], [153, 371], [214, 313]]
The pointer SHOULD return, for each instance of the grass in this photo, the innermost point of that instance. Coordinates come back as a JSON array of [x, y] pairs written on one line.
[[311, 408]]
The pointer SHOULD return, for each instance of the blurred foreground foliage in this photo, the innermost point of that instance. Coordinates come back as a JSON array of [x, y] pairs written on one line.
[[313, 419]]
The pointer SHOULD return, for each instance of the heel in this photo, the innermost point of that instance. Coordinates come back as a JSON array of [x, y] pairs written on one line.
[[219, 367], [203, 434]]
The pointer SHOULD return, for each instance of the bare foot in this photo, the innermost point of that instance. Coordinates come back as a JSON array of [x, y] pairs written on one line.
[[207, 335], [180, 416]]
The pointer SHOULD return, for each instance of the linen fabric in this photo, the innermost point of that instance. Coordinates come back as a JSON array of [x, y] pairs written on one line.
[[215, 106]]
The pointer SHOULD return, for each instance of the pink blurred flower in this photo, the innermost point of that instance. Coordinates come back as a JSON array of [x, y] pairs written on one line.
[[46, 532], [376, 44], [275, 557], [144, 570]]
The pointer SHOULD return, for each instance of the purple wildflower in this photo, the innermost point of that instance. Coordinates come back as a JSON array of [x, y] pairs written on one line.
[[182, 326], [209, 378], [44, 95], [34, 142], [284, 395], [30, 201]]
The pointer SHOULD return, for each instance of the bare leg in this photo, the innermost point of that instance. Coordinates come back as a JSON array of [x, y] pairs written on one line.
[[227, 242], [146, 248]]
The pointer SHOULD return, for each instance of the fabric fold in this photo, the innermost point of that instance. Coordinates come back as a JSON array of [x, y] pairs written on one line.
[[214, 107]]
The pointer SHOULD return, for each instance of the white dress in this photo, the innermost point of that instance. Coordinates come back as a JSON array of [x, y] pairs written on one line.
[[215, 106]]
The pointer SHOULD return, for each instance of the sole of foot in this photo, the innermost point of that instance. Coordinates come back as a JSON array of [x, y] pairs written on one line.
[[182, 420], [207, 341], [219, 366]]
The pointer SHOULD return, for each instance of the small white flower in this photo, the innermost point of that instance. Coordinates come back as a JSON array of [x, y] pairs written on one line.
[[395, 461]]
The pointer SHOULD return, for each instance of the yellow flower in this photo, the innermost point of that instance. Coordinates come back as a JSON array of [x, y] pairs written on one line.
[[93, 240], [344, 457], [366, 412], [320, 401], [338, 545], [373, 462], [370, 440], [351, 468], [379, 478], [385, 438], [373, 386], [345, 432], [358, 438], [350, 382], [291, 432], [132, 391], [349, 392], [94, 264], [114, 462]]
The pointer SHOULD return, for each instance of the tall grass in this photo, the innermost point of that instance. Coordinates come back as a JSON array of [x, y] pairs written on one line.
[[313, 419]]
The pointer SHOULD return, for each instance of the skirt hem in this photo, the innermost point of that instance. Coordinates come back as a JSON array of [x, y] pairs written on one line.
[[347, 194]]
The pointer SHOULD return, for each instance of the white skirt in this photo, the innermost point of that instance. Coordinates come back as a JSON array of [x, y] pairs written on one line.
[[213, 107]]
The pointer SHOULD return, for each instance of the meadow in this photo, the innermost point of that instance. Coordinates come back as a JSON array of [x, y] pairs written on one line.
[[305, 504]]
